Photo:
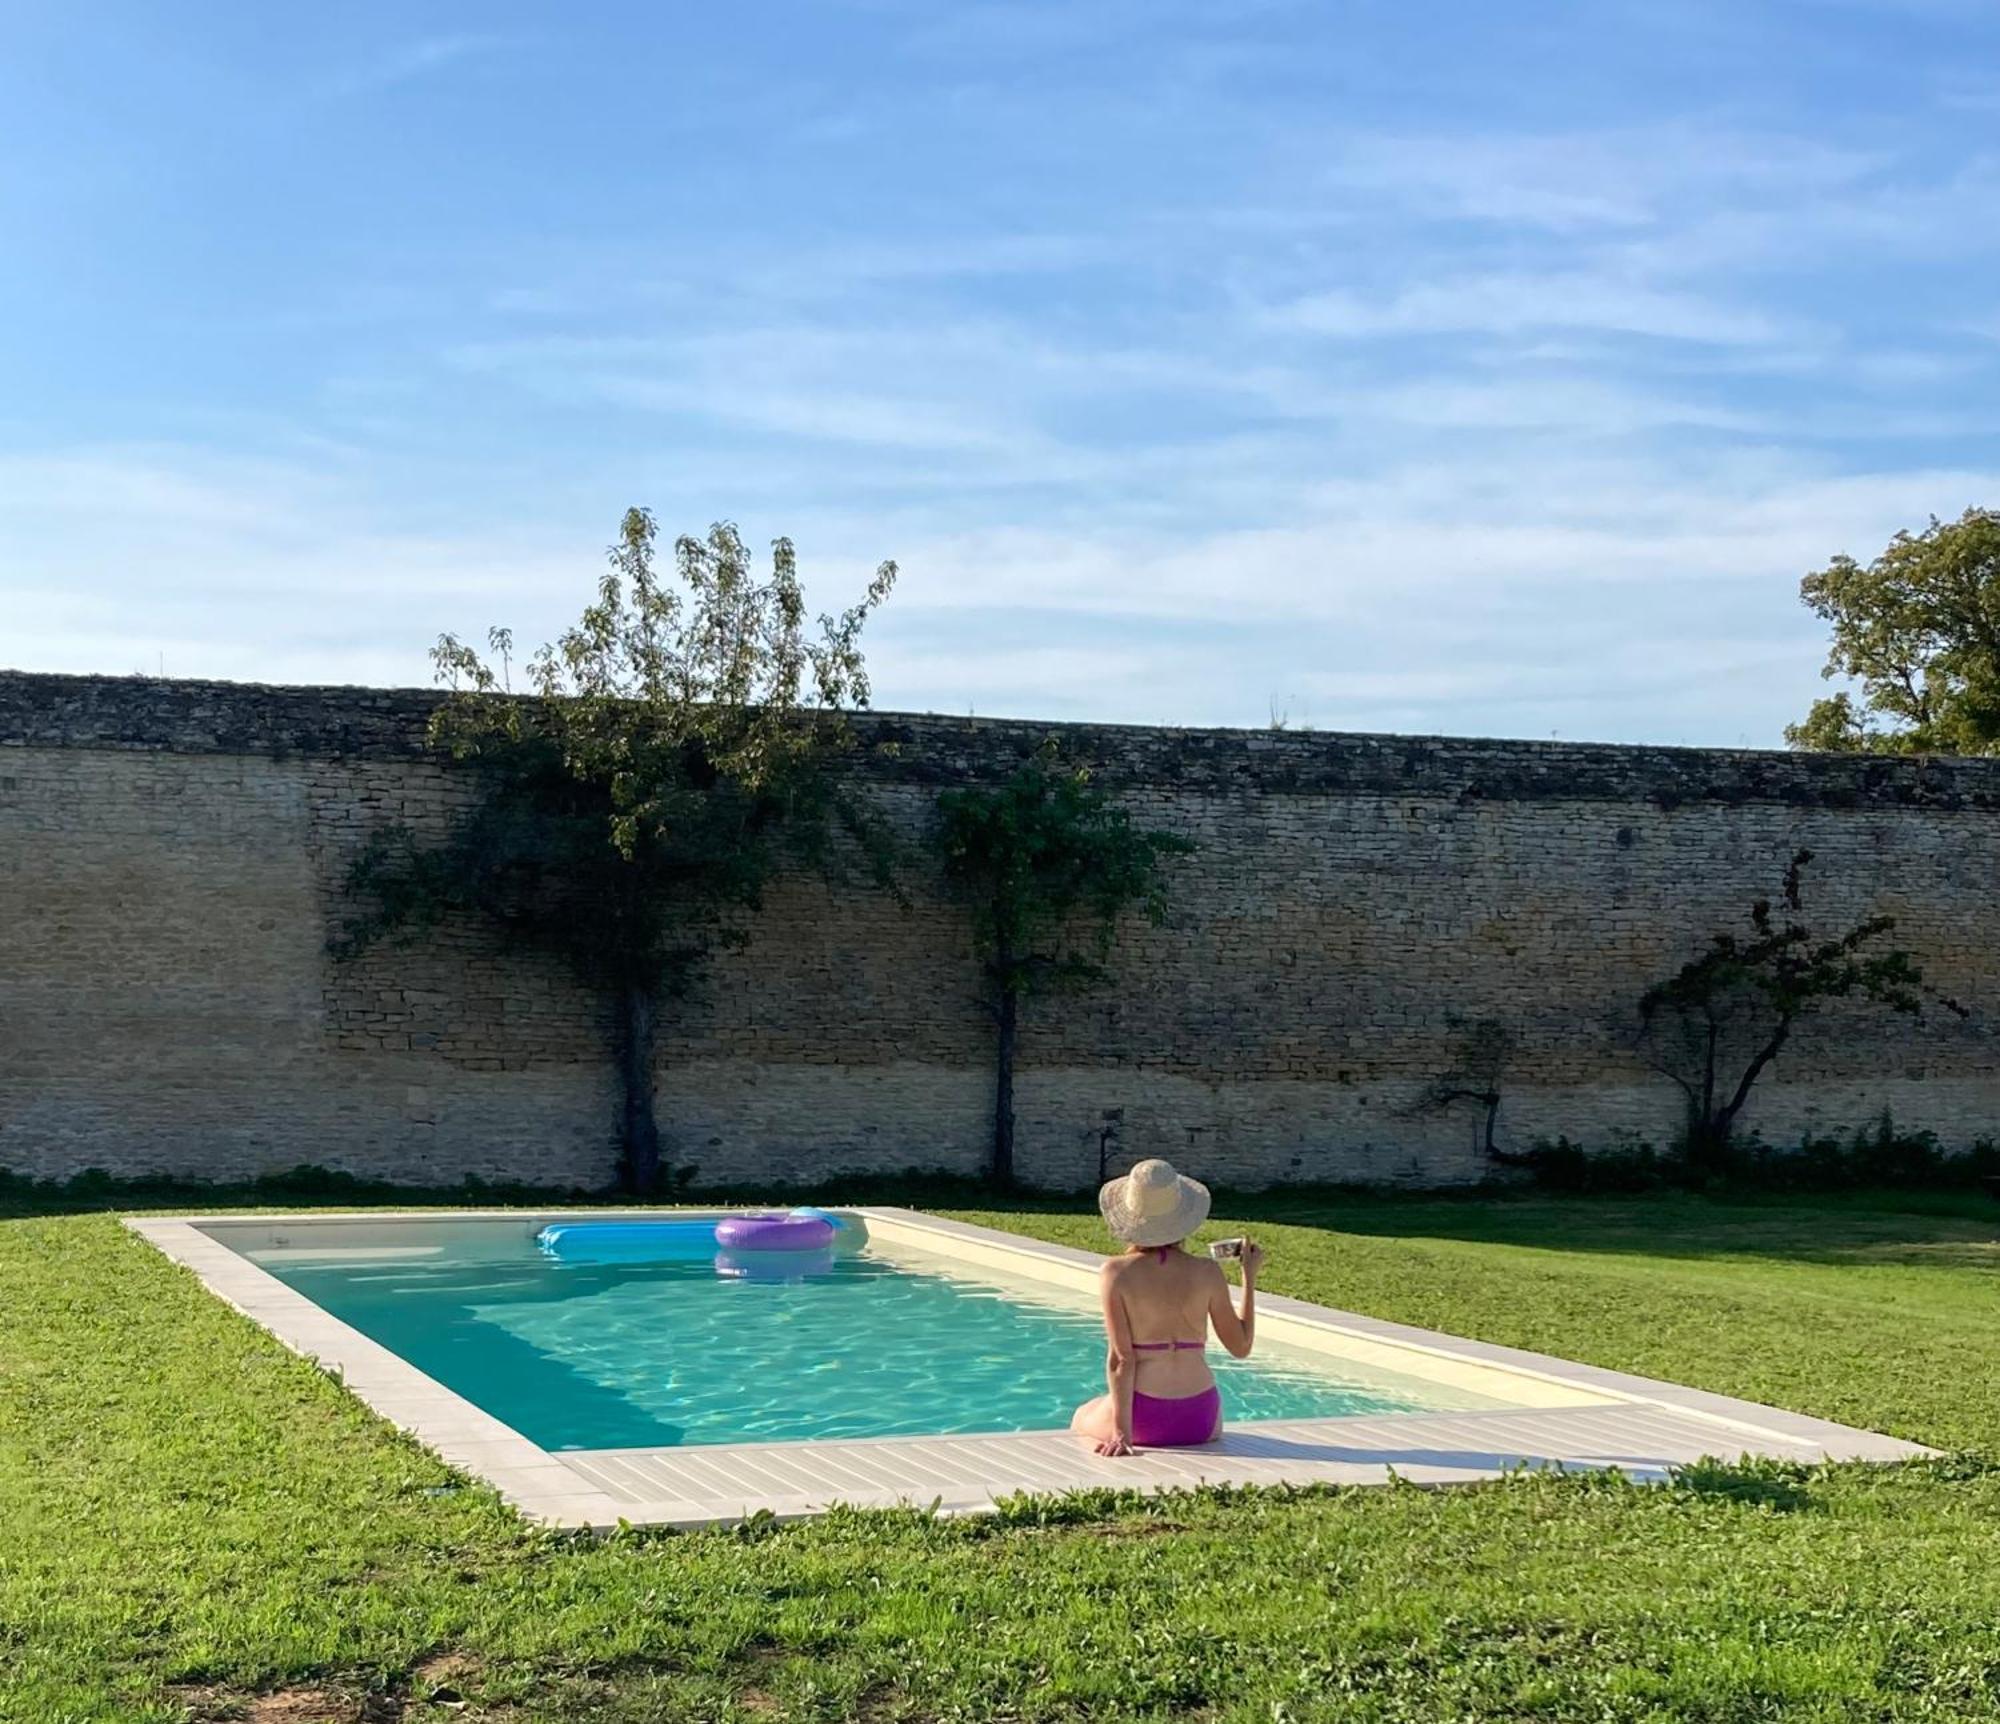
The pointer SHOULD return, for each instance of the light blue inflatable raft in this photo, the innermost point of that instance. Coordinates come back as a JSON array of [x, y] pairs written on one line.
[[629, 1241], [733, 1243]]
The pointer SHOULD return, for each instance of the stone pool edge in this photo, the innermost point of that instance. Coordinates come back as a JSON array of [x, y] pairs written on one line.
[[1635, 1425]]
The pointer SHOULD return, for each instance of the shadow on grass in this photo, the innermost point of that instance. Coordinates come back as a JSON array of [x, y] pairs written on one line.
[[1245, 1443], [1932, 1229], [1929, 1228], [1753, 1482]]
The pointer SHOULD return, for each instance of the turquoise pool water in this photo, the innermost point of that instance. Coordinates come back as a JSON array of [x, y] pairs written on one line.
[[637, 1356]]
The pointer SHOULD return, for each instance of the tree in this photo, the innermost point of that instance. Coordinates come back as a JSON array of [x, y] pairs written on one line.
[[1048, 865], [1919, 629], [679, 749], [1718, 1022], [1482, 1050]]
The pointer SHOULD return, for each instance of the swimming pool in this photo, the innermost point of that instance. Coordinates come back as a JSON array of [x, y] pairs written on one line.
[[935, 1371], [624, 1355]]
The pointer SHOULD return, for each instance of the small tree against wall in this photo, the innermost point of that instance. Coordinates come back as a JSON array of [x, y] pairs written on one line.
[[676, 755], [1048, 865], [1718, 1022], [1482, 1050]]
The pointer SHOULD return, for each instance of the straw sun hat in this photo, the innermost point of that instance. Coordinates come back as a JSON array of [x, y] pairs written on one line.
[[1153, 1205]]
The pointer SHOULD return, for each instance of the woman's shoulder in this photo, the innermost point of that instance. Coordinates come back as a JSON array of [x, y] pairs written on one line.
[[1197, 1264]]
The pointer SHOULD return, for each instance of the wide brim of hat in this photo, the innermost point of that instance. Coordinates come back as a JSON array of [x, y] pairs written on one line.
[[1168, 1227]]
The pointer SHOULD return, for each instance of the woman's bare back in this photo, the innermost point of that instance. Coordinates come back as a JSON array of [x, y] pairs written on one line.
[[1167, 1298]]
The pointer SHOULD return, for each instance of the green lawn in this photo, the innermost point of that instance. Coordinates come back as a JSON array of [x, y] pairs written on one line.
[[193, 1524]]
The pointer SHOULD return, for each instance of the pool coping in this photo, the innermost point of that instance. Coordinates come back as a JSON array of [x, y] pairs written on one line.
[[1636, 1425]]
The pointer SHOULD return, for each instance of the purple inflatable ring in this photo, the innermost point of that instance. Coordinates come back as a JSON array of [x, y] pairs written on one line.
[[774, 1233]]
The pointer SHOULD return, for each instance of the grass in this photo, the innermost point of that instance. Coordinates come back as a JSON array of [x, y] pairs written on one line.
[[195, 1525]]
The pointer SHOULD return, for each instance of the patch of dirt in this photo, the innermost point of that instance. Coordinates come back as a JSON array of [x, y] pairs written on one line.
[[290, 1706], [893, 1706], [445, 1677]]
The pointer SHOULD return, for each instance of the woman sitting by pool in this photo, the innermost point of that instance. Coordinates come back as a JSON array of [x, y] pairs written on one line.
[[1159, 1302]]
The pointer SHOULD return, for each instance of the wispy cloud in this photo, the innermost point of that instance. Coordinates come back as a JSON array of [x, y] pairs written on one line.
[[420, 58], [1971, 95], [1518, 304], [1602, 180]]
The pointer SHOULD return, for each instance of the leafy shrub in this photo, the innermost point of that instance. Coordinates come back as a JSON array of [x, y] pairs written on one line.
[[1573, 1171], [1875, 1157]]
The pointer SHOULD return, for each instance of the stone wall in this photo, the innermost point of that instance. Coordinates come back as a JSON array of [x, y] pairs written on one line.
[[171, 856]]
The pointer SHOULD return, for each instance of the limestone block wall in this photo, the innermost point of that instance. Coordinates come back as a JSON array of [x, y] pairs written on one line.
[[171, 860]]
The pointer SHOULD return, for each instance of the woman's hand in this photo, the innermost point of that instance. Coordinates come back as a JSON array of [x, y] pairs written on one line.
[[1253, 1258], [1114, 1445]]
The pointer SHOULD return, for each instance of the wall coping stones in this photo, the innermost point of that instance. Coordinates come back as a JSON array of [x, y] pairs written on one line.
[[185, 716]]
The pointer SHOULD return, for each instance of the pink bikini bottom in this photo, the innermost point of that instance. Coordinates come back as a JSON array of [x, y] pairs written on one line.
[[1175, 1421]]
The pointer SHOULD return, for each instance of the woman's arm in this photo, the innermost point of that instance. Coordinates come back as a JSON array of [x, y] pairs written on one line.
[[1121, 1364], [1238, 1334]]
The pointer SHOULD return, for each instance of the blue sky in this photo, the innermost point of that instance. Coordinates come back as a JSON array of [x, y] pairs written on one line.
[[1447, 367]]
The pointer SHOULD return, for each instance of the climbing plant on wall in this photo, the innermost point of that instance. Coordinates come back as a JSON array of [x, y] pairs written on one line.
[[676, 752], [1048, 865], [1718, 1022], [1482, 1049]]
